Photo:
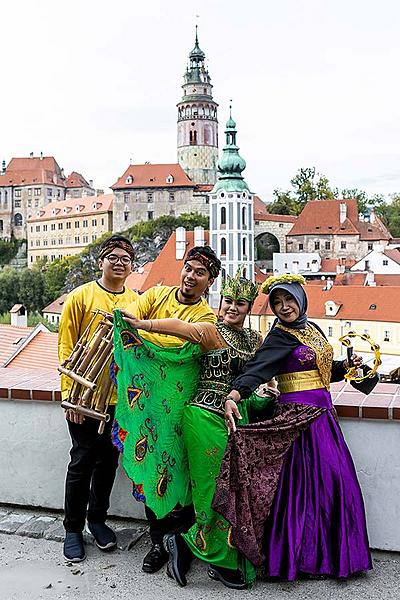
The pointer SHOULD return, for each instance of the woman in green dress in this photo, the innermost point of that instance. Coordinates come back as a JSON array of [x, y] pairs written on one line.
[[226, 346]]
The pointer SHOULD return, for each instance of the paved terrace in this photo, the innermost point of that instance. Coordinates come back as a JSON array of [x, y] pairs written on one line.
[[32, 568]]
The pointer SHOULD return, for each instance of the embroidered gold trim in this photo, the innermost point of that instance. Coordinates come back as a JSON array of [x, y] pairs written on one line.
[[311, 337], [299, 381]]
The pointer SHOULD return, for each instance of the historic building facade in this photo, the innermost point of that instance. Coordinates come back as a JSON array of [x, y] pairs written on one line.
[[231, 215], [66, 227], [27, 185], [333, 228]]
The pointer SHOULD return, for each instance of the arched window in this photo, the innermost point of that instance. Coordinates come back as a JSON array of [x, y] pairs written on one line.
[[5, 197], [223, 246], [244, 246], [223, 215], [18, 220], [193, 137], [1, 225], [244, 217], [223, 274], [244, 272]]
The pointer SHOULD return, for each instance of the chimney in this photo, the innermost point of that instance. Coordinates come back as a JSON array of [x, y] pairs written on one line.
[[91, 183], [19, 316], [41, 156], [199, 239], [295, 267], [370, 279], [180, 243], [343, 212], [372, 216]]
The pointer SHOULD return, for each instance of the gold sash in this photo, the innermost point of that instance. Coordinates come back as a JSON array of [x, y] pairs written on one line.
[[299, 381]]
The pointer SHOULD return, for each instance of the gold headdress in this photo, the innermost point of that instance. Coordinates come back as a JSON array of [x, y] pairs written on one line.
[[269, 283], [239, 288]]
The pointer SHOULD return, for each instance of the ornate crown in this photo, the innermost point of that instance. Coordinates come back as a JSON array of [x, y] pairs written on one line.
[[275, 279], [239, 288]]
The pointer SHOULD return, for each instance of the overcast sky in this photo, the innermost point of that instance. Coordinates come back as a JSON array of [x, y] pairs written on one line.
[[313, 82]]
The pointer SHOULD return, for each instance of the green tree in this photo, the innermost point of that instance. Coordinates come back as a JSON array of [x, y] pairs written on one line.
[[390, 214], [31, 289], [9, 289], [307, 185]]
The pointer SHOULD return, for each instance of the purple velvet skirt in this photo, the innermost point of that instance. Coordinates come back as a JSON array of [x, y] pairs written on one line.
[[317, 521]]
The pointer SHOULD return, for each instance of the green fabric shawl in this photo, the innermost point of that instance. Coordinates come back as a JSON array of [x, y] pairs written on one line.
[[154, 385]]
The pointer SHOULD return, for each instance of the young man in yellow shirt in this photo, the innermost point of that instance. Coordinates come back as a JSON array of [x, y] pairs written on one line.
[[186, 302], [94, 459]]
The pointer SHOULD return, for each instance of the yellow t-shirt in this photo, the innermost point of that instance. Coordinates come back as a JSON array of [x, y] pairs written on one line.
[[161, 303], [76, 316]]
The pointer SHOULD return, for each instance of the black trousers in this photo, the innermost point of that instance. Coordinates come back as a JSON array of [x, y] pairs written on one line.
[[90, 473], [179, 520]]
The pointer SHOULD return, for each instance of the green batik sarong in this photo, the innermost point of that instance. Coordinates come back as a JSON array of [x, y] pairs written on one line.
[[205, 437], [154, 385]]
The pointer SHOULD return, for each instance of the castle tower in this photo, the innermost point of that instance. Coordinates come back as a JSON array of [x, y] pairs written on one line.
[[231, 215], [197, 121]]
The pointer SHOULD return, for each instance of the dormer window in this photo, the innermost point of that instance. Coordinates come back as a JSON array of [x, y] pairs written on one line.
[[129, 180], [372, 307], [170, 179]]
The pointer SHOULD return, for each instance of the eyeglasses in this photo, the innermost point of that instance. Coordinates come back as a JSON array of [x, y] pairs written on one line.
[[114, 259]]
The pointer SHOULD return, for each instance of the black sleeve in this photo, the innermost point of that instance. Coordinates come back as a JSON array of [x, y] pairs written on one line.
[[266, 362], [338, 371]]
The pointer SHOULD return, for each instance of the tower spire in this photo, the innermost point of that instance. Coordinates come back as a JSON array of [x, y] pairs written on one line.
[[231, 164], [197, 120]]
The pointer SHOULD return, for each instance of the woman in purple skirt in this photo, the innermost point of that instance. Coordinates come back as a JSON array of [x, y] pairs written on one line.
[[288, 485]]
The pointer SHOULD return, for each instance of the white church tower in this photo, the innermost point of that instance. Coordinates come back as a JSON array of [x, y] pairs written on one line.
[[231, 215]]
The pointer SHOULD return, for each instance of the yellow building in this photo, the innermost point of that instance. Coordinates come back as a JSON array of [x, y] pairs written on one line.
[[64, 228], [344, 308]]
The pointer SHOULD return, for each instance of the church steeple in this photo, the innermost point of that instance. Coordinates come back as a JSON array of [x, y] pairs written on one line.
[[197, 121], [231, 164], [231, 215]]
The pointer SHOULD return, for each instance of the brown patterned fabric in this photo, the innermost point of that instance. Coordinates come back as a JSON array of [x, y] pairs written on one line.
[[250, 473]]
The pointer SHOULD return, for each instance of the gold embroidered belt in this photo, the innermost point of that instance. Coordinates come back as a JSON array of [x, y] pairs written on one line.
[[299, 381]]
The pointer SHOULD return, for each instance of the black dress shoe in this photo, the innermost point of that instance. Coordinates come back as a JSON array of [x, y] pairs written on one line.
[[156, 558], [180, 558], [229, 577]]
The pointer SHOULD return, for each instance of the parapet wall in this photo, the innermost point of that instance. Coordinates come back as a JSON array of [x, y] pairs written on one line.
[[34, 452]]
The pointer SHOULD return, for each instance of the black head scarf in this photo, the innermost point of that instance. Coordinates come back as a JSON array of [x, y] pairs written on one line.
[[297, 291]]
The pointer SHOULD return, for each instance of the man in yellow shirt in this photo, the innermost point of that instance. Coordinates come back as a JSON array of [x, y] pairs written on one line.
[[186, 302], [94, 459]]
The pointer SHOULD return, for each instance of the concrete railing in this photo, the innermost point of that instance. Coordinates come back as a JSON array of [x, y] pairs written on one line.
[[34, 452]]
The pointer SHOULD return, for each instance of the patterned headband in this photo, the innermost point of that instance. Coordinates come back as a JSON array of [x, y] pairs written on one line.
[[108, 248], [211, 266]]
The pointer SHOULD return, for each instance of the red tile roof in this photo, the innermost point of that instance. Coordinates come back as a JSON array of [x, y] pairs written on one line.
[[323, 217], [40, 351], [391, 280], [28, 171], [76, 180], [355, 303], [260, 213], [394, 254], [330, 264], [137, 279], [56, 306], [148, 175], [165, 270], [88, 205], [11, 338]]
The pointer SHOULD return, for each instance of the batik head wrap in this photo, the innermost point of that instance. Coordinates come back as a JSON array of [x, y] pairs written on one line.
[[207, 257], [116, 241]]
